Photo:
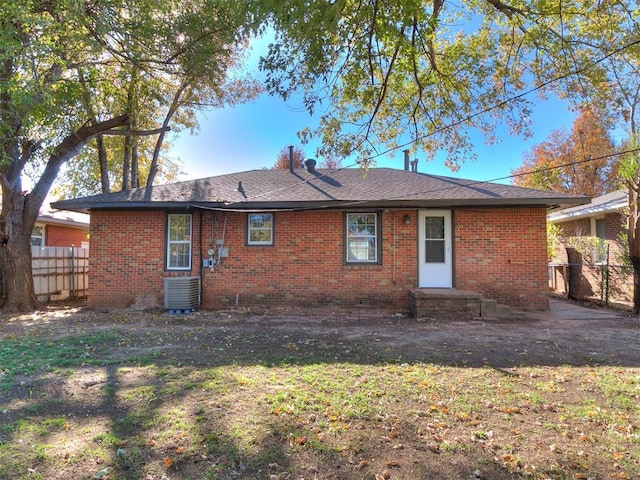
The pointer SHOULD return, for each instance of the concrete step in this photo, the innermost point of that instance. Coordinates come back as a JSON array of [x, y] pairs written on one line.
[[491, 310], [488, 307]]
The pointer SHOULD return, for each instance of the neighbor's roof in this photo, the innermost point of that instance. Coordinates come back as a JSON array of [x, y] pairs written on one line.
[[323, 188], [611, 202], [61, 217]]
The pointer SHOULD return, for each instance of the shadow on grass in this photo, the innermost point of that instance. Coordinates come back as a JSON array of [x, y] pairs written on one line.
[[184, 398]]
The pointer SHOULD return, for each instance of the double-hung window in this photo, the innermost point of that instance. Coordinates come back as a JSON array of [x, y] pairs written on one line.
[[362, 238], [178, 242], [260, 229], [37, 236]]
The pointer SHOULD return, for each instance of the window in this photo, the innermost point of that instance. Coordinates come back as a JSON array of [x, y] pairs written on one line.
[[600, 249], [260, 229], [37, 236], [178, 242], [434, 240], [362, 238]]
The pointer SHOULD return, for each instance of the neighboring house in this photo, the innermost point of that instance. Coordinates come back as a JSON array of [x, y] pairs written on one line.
[[320, 237], [602, 218], [57, 228], [58, 270], [603, 274]]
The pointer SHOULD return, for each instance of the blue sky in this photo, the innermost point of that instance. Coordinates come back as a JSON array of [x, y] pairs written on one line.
[[249, 136]]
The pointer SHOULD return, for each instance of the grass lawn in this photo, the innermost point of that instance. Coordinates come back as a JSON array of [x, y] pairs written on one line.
[[148, 396]]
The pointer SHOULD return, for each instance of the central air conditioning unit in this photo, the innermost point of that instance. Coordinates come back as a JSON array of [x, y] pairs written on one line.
[[181, 293]]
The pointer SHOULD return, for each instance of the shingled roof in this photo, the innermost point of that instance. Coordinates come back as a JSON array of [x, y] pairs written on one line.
[[322, 188]]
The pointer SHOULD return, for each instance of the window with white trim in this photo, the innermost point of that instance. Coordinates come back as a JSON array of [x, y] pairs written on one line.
[[362, 238], [178, 241], [599, 227], [260, 229], [37, 236]]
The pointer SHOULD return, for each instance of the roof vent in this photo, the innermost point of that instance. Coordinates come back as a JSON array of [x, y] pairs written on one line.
[[291, 160], [311, 165]]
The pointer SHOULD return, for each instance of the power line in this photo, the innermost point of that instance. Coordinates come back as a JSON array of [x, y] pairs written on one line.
[[509, 100], [471, 117]]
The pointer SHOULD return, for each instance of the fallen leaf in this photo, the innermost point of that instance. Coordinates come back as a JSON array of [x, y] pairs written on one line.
[[167, 462], [433, 447]]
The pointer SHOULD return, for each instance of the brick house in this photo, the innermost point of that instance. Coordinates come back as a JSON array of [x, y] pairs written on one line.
[[56, 228], [320, 237], [602, 220]]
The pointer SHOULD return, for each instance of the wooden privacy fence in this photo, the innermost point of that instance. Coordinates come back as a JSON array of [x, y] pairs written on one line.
[[60, 272]]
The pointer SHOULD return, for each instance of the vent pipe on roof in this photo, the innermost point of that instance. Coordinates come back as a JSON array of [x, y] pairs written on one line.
[[406, 160], [311, 165], [291, 158], [414, 165]]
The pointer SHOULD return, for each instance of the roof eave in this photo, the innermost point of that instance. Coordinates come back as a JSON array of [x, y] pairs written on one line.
[[324, 205], [588, 211]]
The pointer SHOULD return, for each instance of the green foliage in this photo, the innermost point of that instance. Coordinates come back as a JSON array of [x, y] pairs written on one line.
[[385, 73], [582, 161], [67, 64], [554, 240], [623, 257], [592, 249]]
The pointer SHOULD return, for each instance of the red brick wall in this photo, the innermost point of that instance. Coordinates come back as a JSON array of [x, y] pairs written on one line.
[[63, 236], [126, 258], [495, 251], [502, 254], [306, 267], [614, 227], [592, 284], [576, 228]]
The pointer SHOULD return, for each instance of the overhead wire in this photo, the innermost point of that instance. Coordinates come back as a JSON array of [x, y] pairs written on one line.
[[466, 119], [468, 183]]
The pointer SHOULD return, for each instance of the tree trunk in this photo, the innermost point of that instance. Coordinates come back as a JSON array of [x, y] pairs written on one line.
[[575, 274], [16, 282], [633, 235], [636, 287], [20, 211], [126, 164], [135, 183], [105, 183]]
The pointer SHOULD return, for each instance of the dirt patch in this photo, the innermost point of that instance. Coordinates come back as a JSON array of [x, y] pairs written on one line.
[[307, 394]]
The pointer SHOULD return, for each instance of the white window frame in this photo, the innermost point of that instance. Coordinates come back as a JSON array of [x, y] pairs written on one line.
[[366, 235], [39, 237], [177, 243], [598, 254], [251, 228]]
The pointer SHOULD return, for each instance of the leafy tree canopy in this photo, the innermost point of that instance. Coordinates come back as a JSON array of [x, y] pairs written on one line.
[[73, 71], [284, 158], [581, 161], [430, 72]]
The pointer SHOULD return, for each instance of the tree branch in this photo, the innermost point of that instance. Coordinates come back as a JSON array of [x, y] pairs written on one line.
[[137, 133], [68, 148]]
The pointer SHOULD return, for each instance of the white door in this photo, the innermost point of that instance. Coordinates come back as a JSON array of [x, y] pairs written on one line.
[[434, 249]]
